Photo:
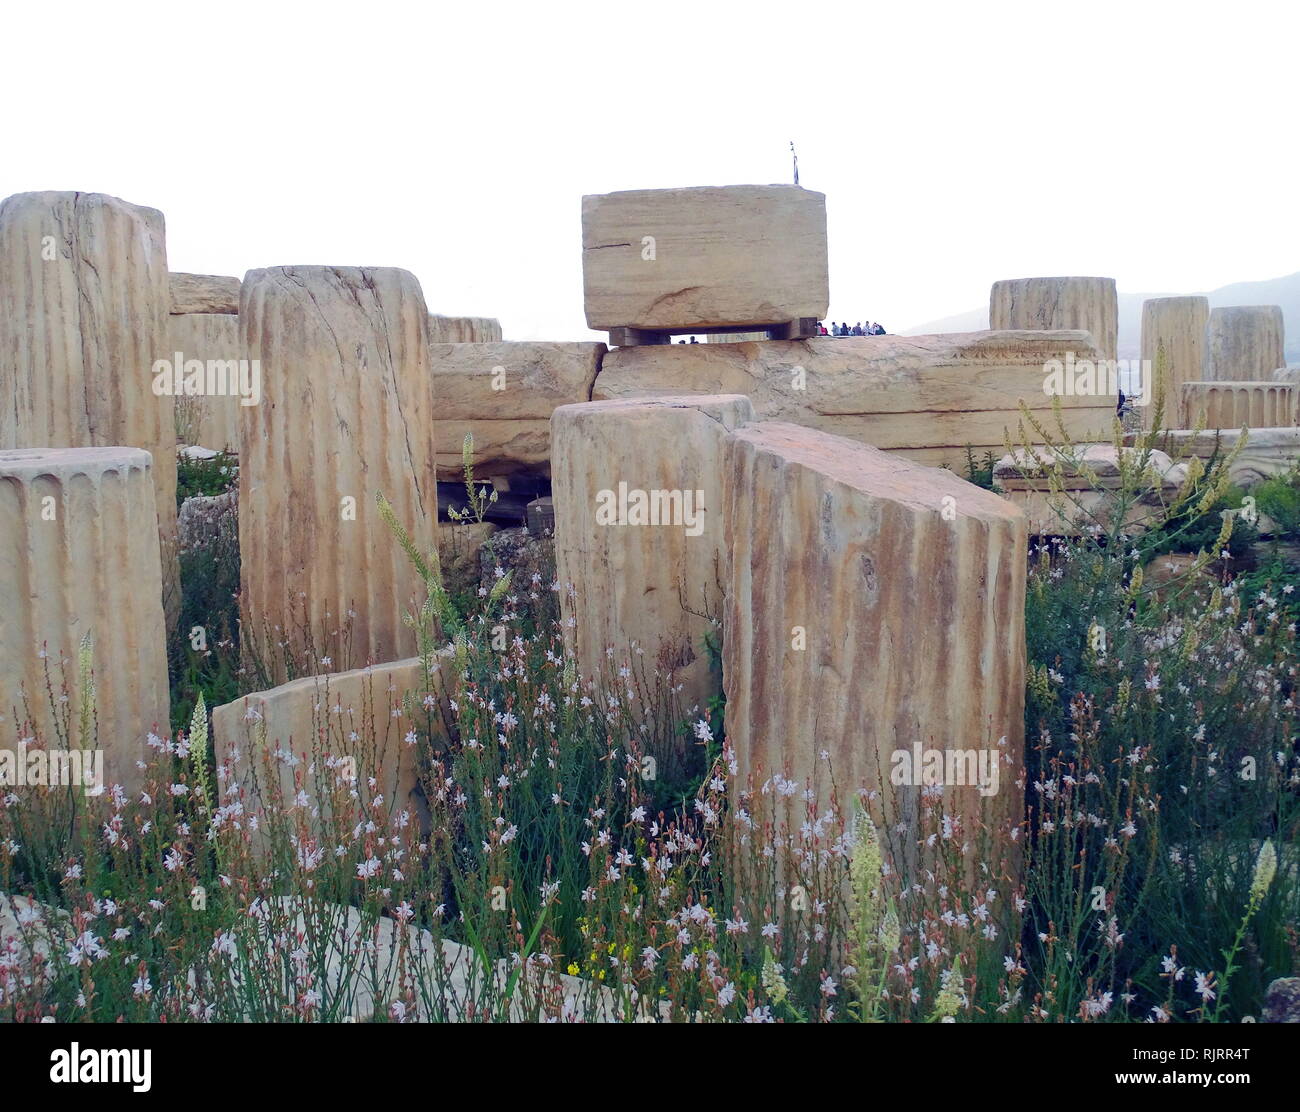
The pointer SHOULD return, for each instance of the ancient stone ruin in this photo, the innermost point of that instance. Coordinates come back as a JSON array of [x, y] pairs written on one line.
[[203, 329], [1244, 343], [659, 262], [84, 300], [1173, 333], [81, 565], [347, 416], [1055, 303], [791, 499]]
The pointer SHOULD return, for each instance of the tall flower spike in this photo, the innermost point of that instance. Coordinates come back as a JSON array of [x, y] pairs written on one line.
[[86, 684], [1265, 871]]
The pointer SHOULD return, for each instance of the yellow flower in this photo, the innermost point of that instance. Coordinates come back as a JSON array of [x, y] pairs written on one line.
[[573, 969], [1265, 871]]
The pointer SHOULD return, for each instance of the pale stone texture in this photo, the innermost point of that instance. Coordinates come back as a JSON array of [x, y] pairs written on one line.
[[1176, 326], [723, 255], [1083, 477], [326, 716], [80, 332], [1289, 373], [1244, 343], [346, 413], [504, 394], [926, 397], [635, 583], [1055, 303], [210, 421], [1234, 405], [94, 569], [908, 585], [463, 330], [208, 520], [1266, 453], [204, 293]]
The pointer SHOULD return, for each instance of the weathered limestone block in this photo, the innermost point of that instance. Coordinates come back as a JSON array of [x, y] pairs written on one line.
[[504, 394], [1055, 303], [1266, 453], [1067, 495], [463, 330], [209, 520], [635, 576], [500, 447], [79, 554], [873, 606], [327, 716], [1289, 373], [346, 413], [83, 317], [1234, 405], [1176, 327], [681, 259], [204, 293], [1244, 343], [926, 397], [208, 420]]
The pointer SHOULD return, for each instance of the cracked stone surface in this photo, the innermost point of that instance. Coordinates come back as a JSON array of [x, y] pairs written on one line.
[[690, 258], [346, 413], [1053, 303], [204, 293], [926, 397], [83, 316], [504, 393]]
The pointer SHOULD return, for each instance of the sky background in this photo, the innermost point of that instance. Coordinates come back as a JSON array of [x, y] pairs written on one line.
[[957, 144]]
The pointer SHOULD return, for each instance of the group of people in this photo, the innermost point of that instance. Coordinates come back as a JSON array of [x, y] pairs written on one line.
[[845, 329]]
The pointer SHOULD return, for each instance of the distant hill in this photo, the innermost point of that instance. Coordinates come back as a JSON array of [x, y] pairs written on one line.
[[1274, 291]]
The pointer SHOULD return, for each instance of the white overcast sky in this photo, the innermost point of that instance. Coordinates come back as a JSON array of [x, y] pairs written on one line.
[[957, 144]]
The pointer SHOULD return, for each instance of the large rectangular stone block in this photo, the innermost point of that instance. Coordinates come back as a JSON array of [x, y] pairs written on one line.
[[364, 714], [504, 394], [874, 608], [204, 293], [684, 259], [926, 397], [209, 420], [653, 581]]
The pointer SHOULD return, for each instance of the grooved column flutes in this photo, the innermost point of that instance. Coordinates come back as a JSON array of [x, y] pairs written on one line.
[[79, 554], [345, 412], [84, 299]]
